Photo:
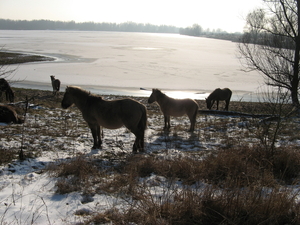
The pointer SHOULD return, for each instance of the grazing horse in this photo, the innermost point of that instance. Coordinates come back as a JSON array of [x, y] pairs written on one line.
[[9, 115], [219, 95], [55, 84], [110, 114], [4, 87], [175, 107]]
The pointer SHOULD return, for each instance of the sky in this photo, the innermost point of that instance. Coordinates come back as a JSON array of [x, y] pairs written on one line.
[[228, 15]]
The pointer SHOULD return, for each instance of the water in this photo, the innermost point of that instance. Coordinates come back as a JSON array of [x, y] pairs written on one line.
[[132, 63]]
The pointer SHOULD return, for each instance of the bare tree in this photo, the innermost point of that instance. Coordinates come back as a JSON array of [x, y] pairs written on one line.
[[271, 44]]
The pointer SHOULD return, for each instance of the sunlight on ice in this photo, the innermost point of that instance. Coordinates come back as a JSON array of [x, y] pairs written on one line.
[[185, 94]]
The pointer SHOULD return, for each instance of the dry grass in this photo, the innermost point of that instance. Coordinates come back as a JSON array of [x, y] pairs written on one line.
[[243, 181], [231, 186], [77, 174]]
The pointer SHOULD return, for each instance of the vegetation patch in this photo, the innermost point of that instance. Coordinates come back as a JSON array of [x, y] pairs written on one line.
[[7, 58]]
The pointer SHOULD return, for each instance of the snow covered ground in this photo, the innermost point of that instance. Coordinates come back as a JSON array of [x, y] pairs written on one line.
[[28, 193]]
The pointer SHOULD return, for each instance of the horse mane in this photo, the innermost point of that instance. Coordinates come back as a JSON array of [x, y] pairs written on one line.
[[160, 93], [78, 90], [213, 94], [209, 97]]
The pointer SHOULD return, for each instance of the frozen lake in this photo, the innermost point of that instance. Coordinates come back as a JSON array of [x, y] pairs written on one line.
[[123, 63]]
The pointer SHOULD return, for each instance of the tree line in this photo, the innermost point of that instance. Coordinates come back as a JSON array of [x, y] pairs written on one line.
[[195, 30], [6, 24]]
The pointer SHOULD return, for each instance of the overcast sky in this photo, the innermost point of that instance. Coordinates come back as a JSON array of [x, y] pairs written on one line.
[[227, 15]]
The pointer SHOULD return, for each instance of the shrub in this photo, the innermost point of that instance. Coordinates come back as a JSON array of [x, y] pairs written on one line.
[[79, 173]]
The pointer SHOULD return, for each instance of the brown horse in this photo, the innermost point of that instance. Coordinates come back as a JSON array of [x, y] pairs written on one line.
[[9, 115], [55, 84], [175, 107], [4, 87], [219, 95], [110, 114]]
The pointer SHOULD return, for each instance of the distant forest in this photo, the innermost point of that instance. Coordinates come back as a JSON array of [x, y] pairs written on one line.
[[195, 30]]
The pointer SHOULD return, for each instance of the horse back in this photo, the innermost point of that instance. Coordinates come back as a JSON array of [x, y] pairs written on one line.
[[179, 107], [220, 94], [114, 114]]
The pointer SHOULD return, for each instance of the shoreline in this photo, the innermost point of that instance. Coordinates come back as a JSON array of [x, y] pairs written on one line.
[[238, 96]]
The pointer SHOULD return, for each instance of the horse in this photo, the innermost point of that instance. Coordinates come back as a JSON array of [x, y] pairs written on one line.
[[4, 87], [219, 95], [55, 84], [174, 107], [113, 114], [9, 115]]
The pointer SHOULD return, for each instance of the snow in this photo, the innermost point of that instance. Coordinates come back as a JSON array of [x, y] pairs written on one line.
[[28, 193]]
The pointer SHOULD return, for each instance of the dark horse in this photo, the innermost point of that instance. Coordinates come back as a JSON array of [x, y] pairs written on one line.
[[55, 84], [110, 114], [4, 87], [219, 95], [9, 115], [175, 107]]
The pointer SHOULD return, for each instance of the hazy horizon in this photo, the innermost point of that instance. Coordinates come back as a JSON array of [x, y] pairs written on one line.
[[225, 15]]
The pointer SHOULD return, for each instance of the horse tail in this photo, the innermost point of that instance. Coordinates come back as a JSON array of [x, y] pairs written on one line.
[[230, 94], [143, 121]]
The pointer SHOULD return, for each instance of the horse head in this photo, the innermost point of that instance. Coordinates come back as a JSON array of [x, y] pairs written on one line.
[[208, 103], [67, 99], [156, 93]]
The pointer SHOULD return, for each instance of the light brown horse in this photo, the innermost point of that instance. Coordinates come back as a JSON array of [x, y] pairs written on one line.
[[175, 107], [219, 95], [5, 87], [55, 84], [110, 114]]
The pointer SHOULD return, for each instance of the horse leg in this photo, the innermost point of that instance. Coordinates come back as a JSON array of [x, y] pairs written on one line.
[[136, 145], [139, 133], [141, 141], [138, 142], [99, 136], [217, 104], [167, 123], [95, 131], [193, 121], [212, 103], [227, 104]]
